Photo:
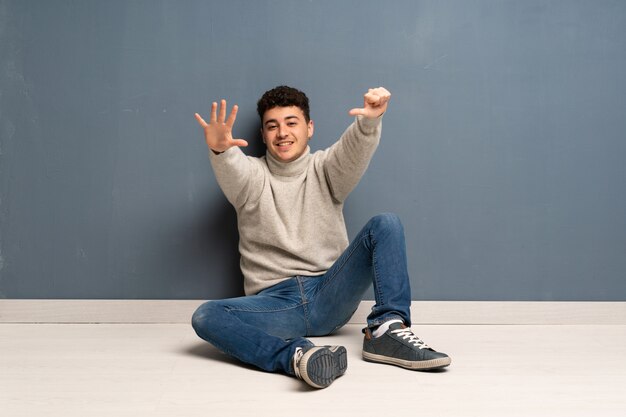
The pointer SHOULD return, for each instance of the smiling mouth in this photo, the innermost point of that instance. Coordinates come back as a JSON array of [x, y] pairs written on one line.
[[284, 144]]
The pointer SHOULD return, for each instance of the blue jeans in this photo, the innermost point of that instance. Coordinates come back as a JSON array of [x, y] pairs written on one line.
[[266, 328]]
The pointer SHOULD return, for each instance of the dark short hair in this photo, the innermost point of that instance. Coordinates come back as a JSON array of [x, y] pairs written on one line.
[[283, 96]]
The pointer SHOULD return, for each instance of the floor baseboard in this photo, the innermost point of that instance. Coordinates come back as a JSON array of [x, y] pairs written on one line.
[[423, 312]]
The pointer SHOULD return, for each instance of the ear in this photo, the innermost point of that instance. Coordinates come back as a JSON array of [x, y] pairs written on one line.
[[310, 129]]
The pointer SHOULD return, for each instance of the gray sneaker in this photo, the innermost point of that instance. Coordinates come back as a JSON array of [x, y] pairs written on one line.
[[400, 346], [318, 366]]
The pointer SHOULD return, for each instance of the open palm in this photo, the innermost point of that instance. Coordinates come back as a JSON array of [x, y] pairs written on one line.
[[218, 133]]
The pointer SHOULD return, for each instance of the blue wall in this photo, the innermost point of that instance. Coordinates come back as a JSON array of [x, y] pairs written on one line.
[[503, 148]]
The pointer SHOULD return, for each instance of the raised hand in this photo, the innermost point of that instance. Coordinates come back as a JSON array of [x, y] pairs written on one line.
[[218, 133], [374, 103]]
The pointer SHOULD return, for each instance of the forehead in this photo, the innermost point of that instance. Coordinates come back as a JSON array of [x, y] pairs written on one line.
[[282, 113]]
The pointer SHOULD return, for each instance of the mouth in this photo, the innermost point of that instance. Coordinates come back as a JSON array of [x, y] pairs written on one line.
[[284, 145]]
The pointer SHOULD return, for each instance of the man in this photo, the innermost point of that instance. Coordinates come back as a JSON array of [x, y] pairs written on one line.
[[301, 277]]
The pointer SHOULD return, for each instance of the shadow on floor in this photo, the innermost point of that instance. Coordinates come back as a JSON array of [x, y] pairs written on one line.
[[207, 351]]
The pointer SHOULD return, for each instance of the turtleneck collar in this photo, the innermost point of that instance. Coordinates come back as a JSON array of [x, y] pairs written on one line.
[[288, 169]]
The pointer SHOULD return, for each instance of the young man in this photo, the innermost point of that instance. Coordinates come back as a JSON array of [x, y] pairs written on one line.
[[301, 277]]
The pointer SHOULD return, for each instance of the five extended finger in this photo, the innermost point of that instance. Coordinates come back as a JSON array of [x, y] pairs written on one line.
[[200, 120], [232, 117], [222, 115], [213, 118]]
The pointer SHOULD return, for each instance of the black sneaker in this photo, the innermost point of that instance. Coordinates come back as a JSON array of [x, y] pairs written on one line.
[[318, 366], [399, 346]]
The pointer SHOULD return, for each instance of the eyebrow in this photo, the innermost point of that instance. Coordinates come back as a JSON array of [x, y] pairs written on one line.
[[276, 121]]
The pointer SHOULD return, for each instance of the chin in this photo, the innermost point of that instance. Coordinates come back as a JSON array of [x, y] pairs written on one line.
[[284, 158]]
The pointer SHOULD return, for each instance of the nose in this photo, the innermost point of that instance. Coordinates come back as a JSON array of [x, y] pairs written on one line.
[[282, 131]]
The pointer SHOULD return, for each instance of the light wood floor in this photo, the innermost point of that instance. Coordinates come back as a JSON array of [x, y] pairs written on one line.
[[165, 370]]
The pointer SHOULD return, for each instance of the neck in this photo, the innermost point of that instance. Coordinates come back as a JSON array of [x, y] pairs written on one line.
[[288, 169]]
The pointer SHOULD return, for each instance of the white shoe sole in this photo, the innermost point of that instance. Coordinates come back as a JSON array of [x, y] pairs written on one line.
[[321, 365], [415, 365]]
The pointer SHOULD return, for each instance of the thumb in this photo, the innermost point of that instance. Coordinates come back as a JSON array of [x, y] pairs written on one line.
[[357, 112], [240, 142]]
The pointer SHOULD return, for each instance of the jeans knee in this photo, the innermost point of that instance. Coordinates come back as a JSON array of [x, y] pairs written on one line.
[[389, 222], [204, 317]]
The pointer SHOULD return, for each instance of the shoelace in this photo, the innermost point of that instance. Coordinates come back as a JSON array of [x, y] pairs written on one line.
[[296, 359], [408, 334]]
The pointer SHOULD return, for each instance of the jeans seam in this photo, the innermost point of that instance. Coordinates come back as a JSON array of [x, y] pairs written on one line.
[[340, 267], [257, 310], [377, 287], [304, 305]]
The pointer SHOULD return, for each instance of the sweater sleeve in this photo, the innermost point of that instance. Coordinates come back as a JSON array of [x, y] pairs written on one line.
[[239, 176], [350, 156]]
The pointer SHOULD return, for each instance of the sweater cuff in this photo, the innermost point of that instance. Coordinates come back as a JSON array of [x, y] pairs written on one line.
[[367, 125], [220, 155]]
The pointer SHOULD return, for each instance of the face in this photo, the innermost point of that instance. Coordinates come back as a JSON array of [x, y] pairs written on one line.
[[286, 132]]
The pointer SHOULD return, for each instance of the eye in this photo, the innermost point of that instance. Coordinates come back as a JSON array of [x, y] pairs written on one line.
[[291, 124], [271, 127]]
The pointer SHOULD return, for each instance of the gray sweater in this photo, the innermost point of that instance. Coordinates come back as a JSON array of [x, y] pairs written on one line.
[[290, 215]]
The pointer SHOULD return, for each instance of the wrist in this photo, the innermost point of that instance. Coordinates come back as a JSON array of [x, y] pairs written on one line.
[[369, 124]]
